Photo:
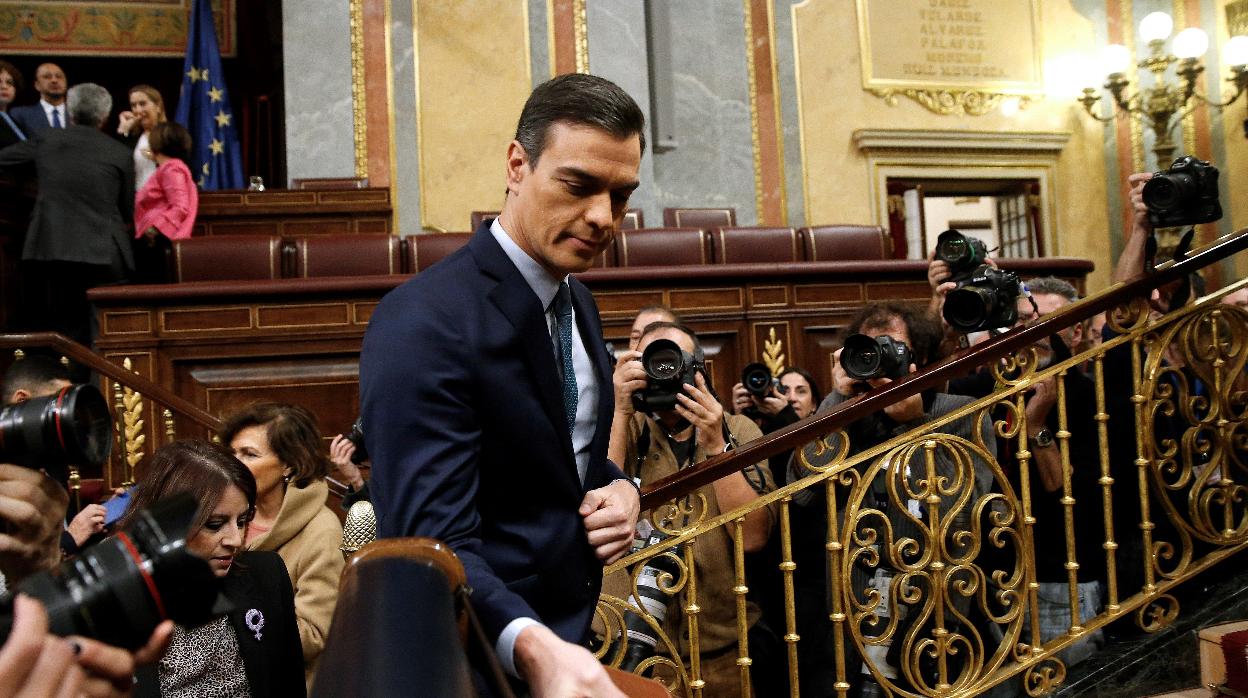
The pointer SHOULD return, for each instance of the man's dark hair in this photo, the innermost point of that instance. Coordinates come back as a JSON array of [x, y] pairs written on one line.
[[577, 98], [667, 312], [925, 333], [32, 373], [665, 325]]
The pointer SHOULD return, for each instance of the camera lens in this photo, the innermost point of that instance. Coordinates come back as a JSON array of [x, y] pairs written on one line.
[[1168, 191], [968, 308], [951, 250], [71, 427], [861, 357], [756, 378], [663, 361], [119, 590]]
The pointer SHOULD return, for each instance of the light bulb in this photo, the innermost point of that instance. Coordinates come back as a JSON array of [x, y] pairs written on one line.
[[1010, 106], [1235, 51], [1192, 42], [1116, 59], [1156, 26]]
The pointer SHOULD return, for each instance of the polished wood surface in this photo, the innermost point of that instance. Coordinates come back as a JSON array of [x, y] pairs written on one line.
[[293, 213], [222, 345]]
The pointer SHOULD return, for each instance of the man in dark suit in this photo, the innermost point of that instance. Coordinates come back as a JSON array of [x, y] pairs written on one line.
[[79, 233], [50, 110], [487, 396]]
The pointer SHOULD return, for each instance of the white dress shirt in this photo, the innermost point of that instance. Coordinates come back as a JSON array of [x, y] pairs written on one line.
[[48, 109]]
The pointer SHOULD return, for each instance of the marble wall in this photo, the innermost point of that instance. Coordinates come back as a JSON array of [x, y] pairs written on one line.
[[618, 51], [317, 59], [712, 163]]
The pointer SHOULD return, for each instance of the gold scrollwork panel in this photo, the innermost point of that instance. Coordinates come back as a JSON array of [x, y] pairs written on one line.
[[928, 545], [1194, 432]]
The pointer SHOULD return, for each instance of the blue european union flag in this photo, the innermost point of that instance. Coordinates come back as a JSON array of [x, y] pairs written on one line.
[[204, 107]]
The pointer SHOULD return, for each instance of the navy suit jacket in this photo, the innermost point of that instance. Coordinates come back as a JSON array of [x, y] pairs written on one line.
[[31, 119], [464, 420]]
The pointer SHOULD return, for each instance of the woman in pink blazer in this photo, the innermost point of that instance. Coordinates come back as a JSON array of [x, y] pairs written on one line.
[[164, 209]]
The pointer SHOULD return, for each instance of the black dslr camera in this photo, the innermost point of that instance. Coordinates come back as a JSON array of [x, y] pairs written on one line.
[[983, 301], [1185, 194], [758, 380], [119, 590], [72, 426], [356, 437], [865, 357], [963, 254], [656, 575], [668, 370]]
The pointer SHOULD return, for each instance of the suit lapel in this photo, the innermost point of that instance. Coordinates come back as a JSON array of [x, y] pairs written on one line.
[[516, 301]]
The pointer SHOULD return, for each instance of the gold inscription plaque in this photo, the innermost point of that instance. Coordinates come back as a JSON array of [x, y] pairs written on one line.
[[960, 56]]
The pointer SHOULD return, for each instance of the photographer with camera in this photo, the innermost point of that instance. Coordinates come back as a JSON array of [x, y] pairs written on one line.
[[888, 341], [35, 376], [666, 419], [348, 454], [39, 436]]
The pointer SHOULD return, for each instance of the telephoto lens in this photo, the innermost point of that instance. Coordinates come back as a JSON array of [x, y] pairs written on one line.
[[757, 379], [657, 574], [119, 590], [985, 301], [71, 427], [864, 358]]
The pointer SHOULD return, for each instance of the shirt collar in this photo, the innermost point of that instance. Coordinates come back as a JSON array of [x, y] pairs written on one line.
[[543, 283], [48, 107]]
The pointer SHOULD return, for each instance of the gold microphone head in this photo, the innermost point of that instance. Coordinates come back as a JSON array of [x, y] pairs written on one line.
[[359, 529]]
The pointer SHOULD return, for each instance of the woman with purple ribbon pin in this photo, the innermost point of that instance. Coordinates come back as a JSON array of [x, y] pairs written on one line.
[[253, 650]]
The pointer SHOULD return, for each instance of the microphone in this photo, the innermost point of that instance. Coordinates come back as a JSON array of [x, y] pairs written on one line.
[[359, 529]]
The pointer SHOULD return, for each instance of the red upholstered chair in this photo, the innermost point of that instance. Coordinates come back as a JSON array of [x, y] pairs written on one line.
[[347, 255], [427, 249], [633, 220], [228, 258], [479, 217], [829, 243], [320, 183], [664, 247], [707, 218], [735, 245]]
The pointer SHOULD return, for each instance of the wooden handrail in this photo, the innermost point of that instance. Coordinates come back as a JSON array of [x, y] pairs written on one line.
[[86, 357], [961, 363]]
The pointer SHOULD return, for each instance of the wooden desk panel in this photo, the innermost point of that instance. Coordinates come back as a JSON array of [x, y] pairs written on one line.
[[295, 213], [225, 344]]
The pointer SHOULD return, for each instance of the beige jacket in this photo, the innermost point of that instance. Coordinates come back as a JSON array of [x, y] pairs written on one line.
[[307, 536]]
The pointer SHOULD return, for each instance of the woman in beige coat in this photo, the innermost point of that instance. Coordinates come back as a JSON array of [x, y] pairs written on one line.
[[281, 446]]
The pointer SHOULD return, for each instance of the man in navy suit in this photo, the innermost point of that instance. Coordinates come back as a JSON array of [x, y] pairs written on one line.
[[487, 396], [49, 111]]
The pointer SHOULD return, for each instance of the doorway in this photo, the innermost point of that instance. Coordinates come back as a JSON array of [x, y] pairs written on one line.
[[1004, 213]]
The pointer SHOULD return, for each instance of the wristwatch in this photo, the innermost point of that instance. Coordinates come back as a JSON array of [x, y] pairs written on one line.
[[1042, 439]]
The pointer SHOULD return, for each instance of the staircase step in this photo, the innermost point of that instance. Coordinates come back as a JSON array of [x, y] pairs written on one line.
[[1197, 692], [1212, 661]]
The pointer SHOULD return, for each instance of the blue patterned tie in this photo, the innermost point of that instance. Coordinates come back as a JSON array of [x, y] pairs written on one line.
[[56, 118], [562, 306]]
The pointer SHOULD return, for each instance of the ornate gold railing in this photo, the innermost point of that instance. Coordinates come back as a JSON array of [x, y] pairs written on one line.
[[932, 577]]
